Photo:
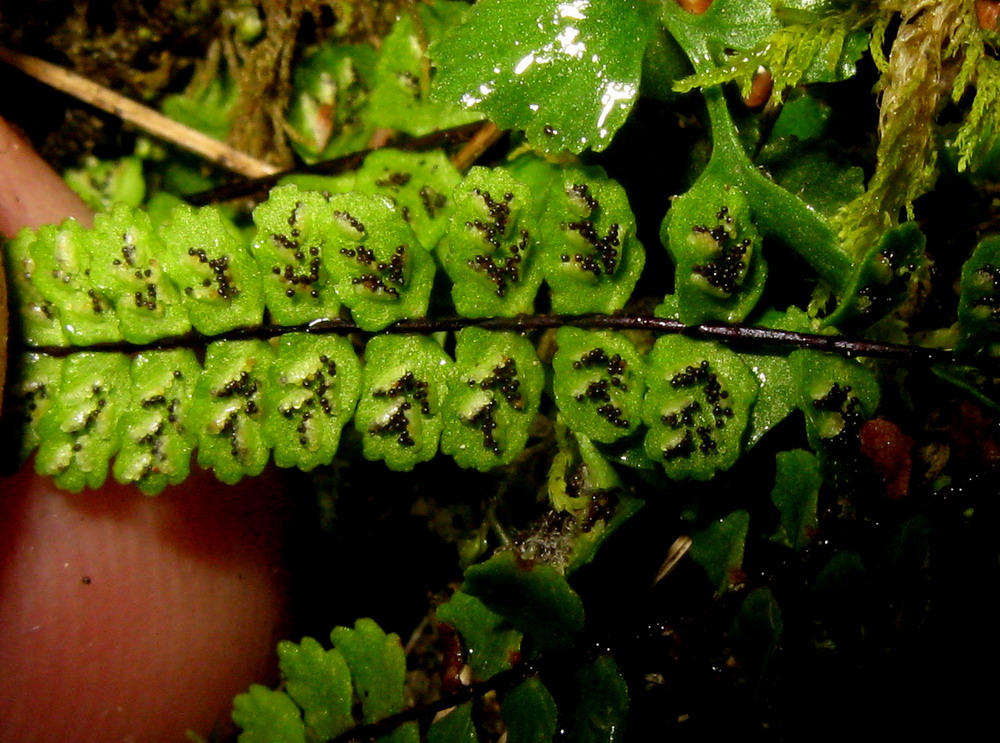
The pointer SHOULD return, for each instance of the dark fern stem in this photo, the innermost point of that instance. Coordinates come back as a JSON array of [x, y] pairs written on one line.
[[741, 336]]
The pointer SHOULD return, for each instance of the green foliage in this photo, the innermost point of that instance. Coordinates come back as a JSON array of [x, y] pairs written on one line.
[[591, 257], [592, 695], [322, 685], [716, 249], [885, 276], [322, 688], [802, 161], [131, 274], [35, 387], [268, 716], [718, 549], [382, 272], [584, 485], [405, 382], [79, 432], [217, 280], [37, 315], [752, 449], [796, 495], [698, 407], [776, 212], [757, 630], [159, 432], [727, 24], [835, 395], [529, 712], [103, 183], [492, 249], [400, 99], [420, 185], [490, 640], [774, 376], [980, 298], [599, 383], [496, 393], [377, 667], [343, 93], [977, 136], [602, 708], [209, 105], [327, 114], [312, 252], [294, 397], [61, 270], [319, 682], [532, 596], [456, 726], [823, 49], [209, 108], [313, 387], [933, 39], [229, 409], [566, 73], [294, 237]]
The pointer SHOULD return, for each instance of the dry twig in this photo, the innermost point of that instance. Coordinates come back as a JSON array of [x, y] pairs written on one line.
[[145, 118]]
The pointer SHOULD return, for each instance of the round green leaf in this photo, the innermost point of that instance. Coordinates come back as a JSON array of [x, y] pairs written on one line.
[[598, 383], [697, 407], [532, 596], [565, 72]]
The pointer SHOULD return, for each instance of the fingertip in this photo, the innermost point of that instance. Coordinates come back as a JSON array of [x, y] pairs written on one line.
[[31, 192], [135, 617]]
